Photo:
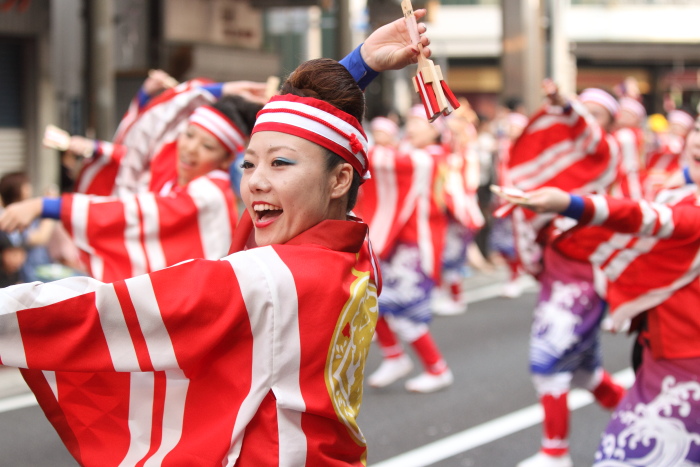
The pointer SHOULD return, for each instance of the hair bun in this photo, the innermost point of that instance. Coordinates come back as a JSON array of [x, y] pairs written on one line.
[[329, 81], [289, 88]]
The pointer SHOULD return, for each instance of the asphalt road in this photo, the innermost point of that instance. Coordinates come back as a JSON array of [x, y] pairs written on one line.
[[487, 351]]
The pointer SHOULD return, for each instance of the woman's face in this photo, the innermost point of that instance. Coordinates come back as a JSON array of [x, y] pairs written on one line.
[[600, 114], [286, 188], [199, 152], [420, 133]]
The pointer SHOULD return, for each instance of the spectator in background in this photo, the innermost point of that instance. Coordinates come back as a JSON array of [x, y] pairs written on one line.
[[15, 187], [11, 260]]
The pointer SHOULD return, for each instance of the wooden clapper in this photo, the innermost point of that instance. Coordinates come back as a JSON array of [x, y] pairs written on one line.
[[434, 93]]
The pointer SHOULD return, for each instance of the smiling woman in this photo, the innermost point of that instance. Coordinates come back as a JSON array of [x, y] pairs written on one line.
[[305, 148], [259, 368]]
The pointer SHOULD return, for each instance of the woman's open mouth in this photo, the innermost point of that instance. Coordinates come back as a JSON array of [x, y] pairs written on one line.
[[265, 214]]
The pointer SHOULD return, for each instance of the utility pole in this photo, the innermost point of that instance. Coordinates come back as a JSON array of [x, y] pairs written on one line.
[[561, 66], [522, 62], [102, 94], [344, 29]]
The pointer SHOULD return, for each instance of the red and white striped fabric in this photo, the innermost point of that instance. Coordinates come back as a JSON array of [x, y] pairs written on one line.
[[566, 149], [400, 202], [243, 362], [319, 122], [560, 148], [136, 234], [139, 142], [649, 257], [120, 238], [662, 164], [632, 145], [460, 185]]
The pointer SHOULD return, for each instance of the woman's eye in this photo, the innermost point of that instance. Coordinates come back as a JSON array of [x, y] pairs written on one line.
[[281, 162], [246, 165]]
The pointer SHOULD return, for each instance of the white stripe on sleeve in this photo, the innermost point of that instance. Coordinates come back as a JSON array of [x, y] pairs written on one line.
[[212, 217], [601, 211], [160, 347]]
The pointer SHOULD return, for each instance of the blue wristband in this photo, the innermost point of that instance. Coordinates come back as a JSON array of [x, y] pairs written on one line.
[[143, 98], [357, 67], [686, 175], [51, 208], [575, 209], [216, 89]]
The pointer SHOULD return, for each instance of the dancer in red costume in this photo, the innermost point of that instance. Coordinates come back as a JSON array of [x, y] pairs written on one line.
[[565, 144], [407, 228], [656, 424], [257, 387]]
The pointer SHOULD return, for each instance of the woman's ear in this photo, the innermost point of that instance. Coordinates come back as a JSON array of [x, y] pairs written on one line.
[[341, 179]]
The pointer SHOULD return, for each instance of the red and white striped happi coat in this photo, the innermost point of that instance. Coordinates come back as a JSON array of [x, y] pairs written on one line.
[[120, 238], [648, 255], [257, 364], [661, 165], [461, 181], [124, 166], [401, 202], [632, 144], [125, 236], [564, 149]]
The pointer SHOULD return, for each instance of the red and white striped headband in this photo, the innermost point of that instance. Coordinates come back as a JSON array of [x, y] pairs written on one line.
[[319, 122], [220, 126], [602, 98]]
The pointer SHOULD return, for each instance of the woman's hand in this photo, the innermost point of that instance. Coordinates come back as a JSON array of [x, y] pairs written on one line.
[[547, 199], [551, 91], [250, 90], [157, 81], [390, 47], [18, 216], [81, 146]]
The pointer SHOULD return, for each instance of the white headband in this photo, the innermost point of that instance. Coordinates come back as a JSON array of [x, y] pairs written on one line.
[[319, 122], [681, 118], [220, 126], [634, 106], [600, 97]]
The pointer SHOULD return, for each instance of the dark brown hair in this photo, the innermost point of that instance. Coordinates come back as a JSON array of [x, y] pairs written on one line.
[[329, 81], [11, 187]]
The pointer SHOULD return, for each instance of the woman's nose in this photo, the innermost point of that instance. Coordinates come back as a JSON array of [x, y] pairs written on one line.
[[258, 180]]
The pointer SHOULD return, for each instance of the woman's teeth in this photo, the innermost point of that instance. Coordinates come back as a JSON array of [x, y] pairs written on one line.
[[263, 210]]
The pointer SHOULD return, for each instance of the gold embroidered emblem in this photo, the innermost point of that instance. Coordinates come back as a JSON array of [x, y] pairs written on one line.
[[347, 354]]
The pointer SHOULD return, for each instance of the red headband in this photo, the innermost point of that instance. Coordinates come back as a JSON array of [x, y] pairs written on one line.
[[319, 122], [220, 126]]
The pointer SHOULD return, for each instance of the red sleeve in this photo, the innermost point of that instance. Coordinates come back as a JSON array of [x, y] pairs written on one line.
[[137, 234], [166, 320]]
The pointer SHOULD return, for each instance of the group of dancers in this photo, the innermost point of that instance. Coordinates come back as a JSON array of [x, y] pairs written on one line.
[[201, 337]]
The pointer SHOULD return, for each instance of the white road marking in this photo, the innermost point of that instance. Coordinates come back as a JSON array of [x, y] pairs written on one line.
[[491, 430], [17, 402]]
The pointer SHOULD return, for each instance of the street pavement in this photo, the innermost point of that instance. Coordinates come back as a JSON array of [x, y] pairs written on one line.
[[488, 418]]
